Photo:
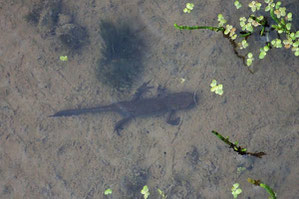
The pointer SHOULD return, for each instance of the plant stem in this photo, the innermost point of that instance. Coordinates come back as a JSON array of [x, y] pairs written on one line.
[[240, 150], [281, 23], [246, 34], [266, 187], [216, 29], [262, 22], [273, 16]]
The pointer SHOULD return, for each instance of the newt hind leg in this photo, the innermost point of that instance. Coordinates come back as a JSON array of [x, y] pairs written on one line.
[[171, 120], [119, 125]]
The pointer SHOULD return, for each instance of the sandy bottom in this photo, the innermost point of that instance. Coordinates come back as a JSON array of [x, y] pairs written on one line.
[[80, 157]]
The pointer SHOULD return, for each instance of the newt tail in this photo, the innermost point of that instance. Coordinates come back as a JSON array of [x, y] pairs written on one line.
[[71, 112]]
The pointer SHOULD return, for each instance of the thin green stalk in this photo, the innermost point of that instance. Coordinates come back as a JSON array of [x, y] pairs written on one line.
[[263, 22], [269, 190], [281, 23], [216, 29], [263, 30], [240, 150], [246, 34], [273, 16], [266, 187]]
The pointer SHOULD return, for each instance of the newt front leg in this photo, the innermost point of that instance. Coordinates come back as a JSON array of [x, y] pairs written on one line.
[[141, 90]]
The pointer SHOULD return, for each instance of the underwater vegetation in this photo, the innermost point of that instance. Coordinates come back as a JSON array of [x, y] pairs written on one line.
[[52, 19], [121, 61], [274, 28], [72, 35], [33, 16], [235, 146], [44, 16], [133, 182]]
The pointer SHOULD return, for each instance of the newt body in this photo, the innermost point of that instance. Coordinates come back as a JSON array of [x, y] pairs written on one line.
[[140, 106]]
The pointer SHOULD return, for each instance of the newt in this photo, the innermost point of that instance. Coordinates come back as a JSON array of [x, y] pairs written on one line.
[[138, 106]]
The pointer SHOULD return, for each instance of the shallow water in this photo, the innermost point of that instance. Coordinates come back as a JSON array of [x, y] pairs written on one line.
[[80, 157]]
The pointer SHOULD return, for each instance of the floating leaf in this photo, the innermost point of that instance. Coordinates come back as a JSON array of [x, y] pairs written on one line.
[[108, 192], [145, 192], [218, 89], [237, 4], [63, 58], [236, 190], [214, 83]]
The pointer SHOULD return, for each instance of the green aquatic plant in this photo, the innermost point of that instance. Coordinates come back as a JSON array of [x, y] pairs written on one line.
[[266, 187], [235, 146], [237, 4], [189, 8], [244, 44], [236, 190], [277, 20], [218, 89], [108, 192], [161, 193], [182, 80], [221, 21], [254, 5], [263, 52], [63, 58], [145, 192], [249, 59]]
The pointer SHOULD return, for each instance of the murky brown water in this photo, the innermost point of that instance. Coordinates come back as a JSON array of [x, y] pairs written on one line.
[[80, 157]]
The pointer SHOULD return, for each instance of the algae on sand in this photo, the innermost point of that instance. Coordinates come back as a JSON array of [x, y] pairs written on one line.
[[121, 58]]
